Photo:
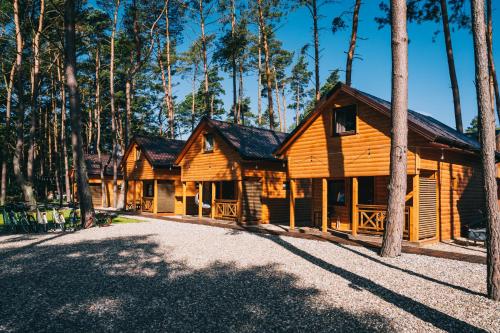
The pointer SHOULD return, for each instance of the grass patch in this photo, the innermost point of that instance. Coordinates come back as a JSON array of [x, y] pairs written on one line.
[[123, 220]]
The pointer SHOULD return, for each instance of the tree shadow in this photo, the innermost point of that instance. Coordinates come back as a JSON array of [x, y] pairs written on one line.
[[130, 284], [432, 316]]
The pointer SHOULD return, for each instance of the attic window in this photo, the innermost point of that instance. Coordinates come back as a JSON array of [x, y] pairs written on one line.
[[137, 154], [344, 120], [208, 143]]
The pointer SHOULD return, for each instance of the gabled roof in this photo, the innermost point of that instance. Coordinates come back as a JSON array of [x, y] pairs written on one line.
[[93, 164], [430, 128], [251, 143], [158, 150]]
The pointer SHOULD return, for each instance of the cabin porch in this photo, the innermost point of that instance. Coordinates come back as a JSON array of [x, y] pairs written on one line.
[[151, 196], [358, 205]]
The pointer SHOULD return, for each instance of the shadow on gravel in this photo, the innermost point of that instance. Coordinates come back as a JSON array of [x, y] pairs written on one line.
[[128, 284], [435, 317]]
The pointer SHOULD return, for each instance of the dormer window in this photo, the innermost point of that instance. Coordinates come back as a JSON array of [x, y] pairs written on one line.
[[208, 143], [344, 120]]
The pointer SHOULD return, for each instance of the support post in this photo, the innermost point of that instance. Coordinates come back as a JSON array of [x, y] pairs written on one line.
[[355, 215], [184, 203], [212, 204], [240, 201], [292, 204], [155, 198], [324, 205], [415, 212], [200, 200]]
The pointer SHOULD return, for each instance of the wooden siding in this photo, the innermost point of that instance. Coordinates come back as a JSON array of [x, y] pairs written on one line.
[[251, 204], [223, 163], [427, 208], [317, 154]]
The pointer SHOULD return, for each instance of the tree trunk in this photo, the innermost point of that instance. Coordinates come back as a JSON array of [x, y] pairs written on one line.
[[283, 100], [86, 207], [114, 128], [451, 68], [352, 43], [267, 61], [26, 187], [276, 92], [64, 147], [236, 113], [193, 97], [209, 111], [241, 111], [170, 102], [297, 106], [259, 82], [8, 104], [57, 154], [104, 190], [393, 235], [35, 89], [487, 136], [316, 50], [491, 60]]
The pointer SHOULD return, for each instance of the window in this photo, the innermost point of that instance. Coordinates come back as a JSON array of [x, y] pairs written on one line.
[[149, 190], [137, 154], [336, 192], [208, 145], [366, 190], [344, 121]]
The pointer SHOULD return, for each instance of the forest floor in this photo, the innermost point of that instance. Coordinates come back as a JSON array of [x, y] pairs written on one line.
[[178, 277]]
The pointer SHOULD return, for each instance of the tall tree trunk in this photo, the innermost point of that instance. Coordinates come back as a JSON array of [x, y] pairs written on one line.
[[491, 60], [61, 78], [114, 128], [236, 111], [57, 154], [104, 190], [352, 43], [209, 111], [86, 207], [451, 68], [259, 82], [297, 106], [267, 60], [8, 104], [35, 88], [316, 49], [283, 100], [170, 101], [276, 92], [241, 111], [393, 235], [487, 135], [26, 186]]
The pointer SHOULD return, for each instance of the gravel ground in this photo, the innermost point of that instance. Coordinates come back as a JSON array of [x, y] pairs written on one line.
[[476, 250], [175, 277]]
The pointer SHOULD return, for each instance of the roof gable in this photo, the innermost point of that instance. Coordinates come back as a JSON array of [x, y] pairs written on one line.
[[159, 151]]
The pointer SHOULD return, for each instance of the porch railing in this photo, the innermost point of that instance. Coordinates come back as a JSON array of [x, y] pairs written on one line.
[[226, 209], [147, 204], [371, 219]]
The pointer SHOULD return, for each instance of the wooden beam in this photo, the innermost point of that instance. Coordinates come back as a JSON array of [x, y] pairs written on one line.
[[212, 204], [292, 204], [324, 205], [155, 198], [355, 199], [200, 199], [414, 218], [184, 203], [240, 200]]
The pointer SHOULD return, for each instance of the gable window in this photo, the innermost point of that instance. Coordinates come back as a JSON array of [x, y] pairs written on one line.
[[344, 120], [137, 154], [208, 143], [336, 192]]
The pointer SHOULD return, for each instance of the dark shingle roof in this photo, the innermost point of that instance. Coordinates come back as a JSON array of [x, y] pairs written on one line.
[[160, 151], [94, 165], [443, 133], [250, 142]]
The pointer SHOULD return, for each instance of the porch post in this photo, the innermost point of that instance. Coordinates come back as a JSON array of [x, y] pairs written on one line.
[[184, 198], [415, 211], [212, 205], [200, 199], [155, 198], [355, 215], [324, 205], [240, 200], [292, 204]]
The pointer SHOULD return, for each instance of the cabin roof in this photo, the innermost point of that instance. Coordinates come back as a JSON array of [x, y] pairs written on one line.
[[430, 128], [158, 150], [93, 164], [251, 143]]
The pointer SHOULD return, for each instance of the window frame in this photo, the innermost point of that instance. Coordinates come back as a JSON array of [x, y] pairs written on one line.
[[205, 136], [333, 127]]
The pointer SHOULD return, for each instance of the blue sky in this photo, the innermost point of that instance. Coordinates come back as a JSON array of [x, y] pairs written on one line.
[[429, 84]]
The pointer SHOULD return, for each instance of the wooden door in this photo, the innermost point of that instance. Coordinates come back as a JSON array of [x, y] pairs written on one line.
[[166, 197], [427, 209], [251, 204], [96, 192]]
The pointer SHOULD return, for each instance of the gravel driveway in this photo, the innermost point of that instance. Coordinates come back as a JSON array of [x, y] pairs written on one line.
[[175, 277]]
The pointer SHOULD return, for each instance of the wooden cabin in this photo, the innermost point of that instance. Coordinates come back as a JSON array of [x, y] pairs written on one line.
[[343, 148], [101, 196], [235, 173], [153, 180]]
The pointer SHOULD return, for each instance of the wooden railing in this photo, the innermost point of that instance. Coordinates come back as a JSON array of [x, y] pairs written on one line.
[[226, 209], [147, 204], [371, 219]]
